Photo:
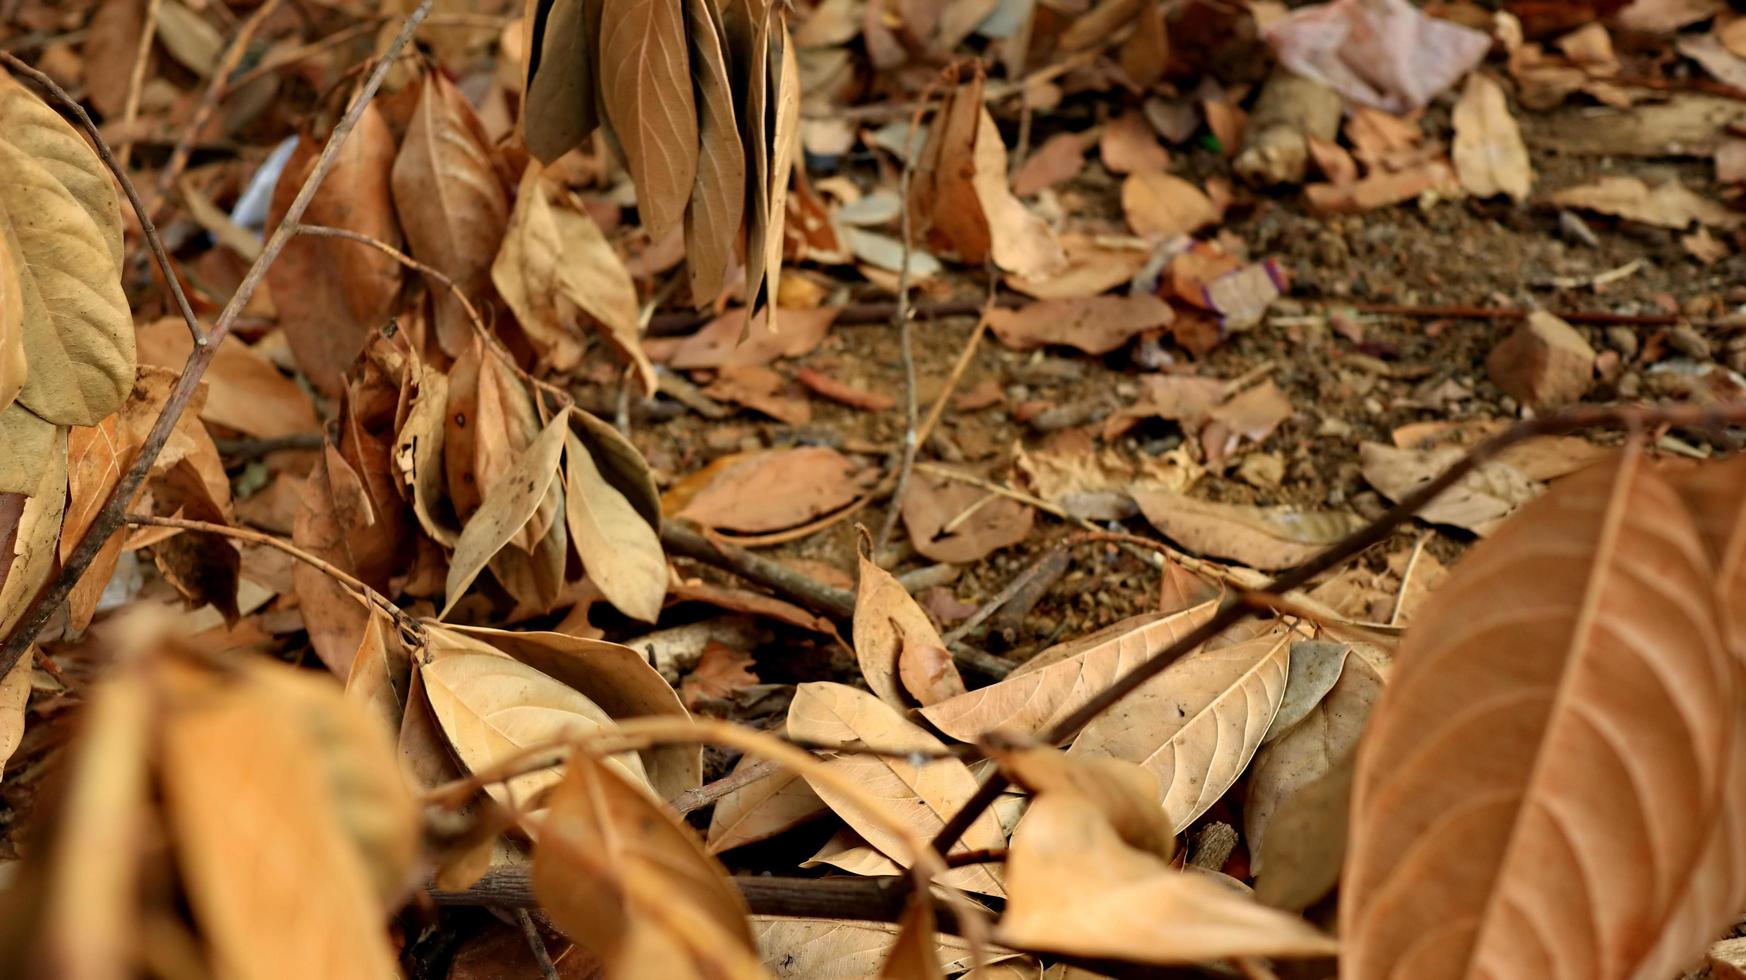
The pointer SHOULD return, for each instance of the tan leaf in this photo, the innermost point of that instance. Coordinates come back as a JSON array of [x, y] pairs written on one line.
[[915, 954], [762, 809], [559, 104], [620, 463], [13, 363], [1197, 724], [1020, 242], [555, 268], [1126, 794], [951, 521], [334, 507], [1667, 205], [14, 695], [418, 450], [333, 295], [746, 30], [381, 674], [111, 44], [721, 672], [1267, 538], [784, 146], [1490, 157], [887, 622], [267, 775], [193, 42], [718, 343], [61, 220], [623, 877], [761, 389], [1060, 680], [718, 196], [837, 949], [39, 525], [1284, 769], [244, 391], [450, 200], [774, 489], [617, 678], [1479, 502], [1128, 145], [848, 851], [1094, 324], [1600, 661], [645, 81], [96, 457], [510, 501], [1059, 159], [945, 206], [1129, 904], [1092, 268], [492, 706], [923, 796], [620, 551], [1316, 666], [1161, 205]]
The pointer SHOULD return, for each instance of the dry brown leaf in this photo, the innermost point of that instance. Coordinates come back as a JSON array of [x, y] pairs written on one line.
[[244, 391], [333, 295], [1059, 159], [1092, 268], [1127, 903], [1384, 188], [61, 220], [334, 509], [1599, 660], [510, 501], [774, 489], [620, 551], [556, 268], [1060, 680], [761, 389], [951, 521], [1126, 794], [922, 796], [1667, 205], [13, 363], [807, 949], [559, 103], [719, 343], [1021, 243], [623, 877], [188, 38], [1293, 867], [1490, 157], [1099, 484], [1161, 205], [914, 955], [848, 851], [111, 44], [14, 695], [945, 207], [1316, 666], [718, 195], [33, 547], [1093, 324], [492, 706], [645, 83], [418, 449], [1129, 145], [719, 673], [762, 809], [450, 200], [616, 678], [96, 457], [1265, 538], [1479, 502], [381, 674], [1197, 724], [267, 774], [889, 629]]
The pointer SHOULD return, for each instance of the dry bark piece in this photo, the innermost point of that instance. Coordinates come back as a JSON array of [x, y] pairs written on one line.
[[775, 489], [1290, 112], [1490, 157], [1600, 661], [1093, 324], [1544, 362]]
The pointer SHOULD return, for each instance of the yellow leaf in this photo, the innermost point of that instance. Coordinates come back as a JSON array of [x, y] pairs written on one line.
[[62, 223], [25, 439]]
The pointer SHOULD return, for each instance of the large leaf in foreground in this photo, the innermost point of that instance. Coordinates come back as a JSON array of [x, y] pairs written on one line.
[[1541, 774]]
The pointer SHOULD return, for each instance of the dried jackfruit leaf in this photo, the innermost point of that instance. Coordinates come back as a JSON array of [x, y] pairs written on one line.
[[1198, 723], [620, 551], [762, 809], [555, 267], [774, 489], [718, 196], [923, 796], [1127, 903], [1058, 681], [1490, 157], [558, 104], [1265, 538], [887, 622], [61, 221], [1094, 324], [1126, 794], [645, 83], [623, 877], [510, 501], [450, 201], [1600, 661], [1479, 502]]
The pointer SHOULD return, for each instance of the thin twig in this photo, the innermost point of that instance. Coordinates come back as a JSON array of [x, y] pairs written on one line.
[[243, 450], [1004, 596], [136, 79], [696, 799], [113, 513], [536, 944], [115, 167], [1235, 609], [1595, 317]]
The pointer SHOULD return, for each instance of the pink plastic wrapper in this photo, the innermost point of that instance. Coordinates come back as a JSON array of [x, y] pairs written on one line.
[[1382, 53]]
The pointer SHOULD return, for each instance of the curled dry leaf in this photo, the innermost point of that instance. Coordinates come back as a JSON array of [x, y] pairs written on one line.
[[620, 551], [510, 501], [1020, 242], [1266, 538], [890, 632], [1490, 157], [952, 521], [923, 796], [1094, 324], [626, 879], [1197, 724], [555, 267], [333, 295], [61, 221], [718, 194], [450, 200], [774, 489], [1128, 903], [1561, 754], [33, 544], [1058, 681]]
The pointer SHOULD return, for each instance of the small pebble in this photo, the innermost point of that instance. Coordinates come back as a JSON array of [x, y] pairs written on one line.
[[1623, 340], [1689, 342], [1631, 385]]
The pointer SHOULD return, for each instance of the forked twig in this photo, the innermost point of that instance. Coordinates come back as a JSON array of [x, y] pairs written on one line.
[[113, 514]]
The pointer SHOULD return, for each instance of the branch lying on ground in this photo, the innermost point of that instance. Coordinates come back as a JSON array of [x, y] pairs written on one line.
[[113, 513]]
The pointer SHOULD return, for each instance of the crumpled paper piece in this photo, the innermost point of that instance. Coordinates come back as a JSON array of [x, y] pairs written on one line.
[[1382, 53]]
